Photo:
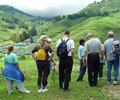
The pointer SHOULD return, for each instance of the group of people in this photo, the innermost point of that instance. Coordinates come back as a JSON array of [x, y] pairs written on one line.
[[90, 53]]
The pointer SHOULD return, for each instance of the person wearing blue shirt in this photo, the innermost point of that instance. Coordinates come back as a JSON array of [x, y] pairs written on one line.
[[80, 56], [112, 61]]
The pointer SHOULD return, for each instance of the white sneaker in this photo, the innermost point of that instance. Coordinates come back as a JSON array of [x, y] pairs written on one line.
[[114, 82], [40, 90], [44, 90], [27, 91]]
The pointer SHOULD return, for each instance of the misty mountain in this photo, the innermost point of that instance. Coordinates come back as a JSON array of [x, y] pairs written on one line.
[[7, 11]]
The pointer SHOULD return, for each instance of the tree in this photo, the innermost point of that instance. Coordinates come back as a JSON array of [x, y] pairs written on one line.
[[23, 25], [63, 17], [103, 0], [25, 35], [11, 27], [57, 18], [14, 37], [105, 13], [33, 31], [21, 38], [31, 39]]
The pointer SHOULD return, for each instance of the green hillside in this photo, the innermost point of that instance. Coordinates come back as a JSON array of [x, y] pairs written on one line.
[[109, 6], [97, 18], [98, 24], [14, 22]]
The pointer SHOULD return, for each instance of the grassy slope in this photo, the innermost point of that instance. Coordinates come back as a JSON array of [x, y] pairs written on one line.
[[6, 33], [110, 6], [9, 12], [80, 91], [99, 26]]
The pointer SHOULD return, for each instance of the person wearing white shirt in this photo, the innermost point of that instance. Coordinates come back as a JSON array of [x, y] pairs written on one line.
[[65, 64]]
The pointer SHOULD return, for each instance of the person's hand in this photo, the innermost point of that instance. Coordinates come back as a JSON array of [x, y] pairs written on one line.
[[49, 59], [54, 63], [84, 64]]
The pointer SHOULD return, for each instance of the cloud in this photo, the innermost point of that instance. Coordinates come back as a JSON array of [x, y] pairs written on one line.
[[48, 8]]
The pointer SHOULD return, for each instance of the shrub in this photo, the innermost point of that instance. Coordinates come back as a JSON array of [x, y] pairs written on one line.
[[22, 57]]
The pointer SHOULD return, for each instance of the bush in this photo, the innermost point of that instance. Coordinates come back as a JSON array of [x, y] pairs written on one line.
[[1, 55], [21, 57]]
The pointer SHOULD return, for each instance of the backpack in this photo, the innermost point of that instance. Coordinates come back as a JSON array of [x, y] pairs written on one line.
[[116, 48], [41, 54], [62, 51]]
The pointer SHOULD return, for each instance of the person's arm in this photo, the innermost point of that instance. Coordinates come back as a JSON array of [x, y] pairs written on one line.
[[72, 53], [102, 54], [50, 53], [16, 61], [82, 53], [72, 48], [84, 63], [85, 54], [51, 56], [17, 64], [33, 56], [79, 53], [33, 51], [105, 55]]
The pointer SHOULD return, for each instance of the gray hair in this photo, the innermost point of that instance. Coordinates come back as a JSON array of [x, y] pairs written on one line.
[[89, 35], [110, 33]]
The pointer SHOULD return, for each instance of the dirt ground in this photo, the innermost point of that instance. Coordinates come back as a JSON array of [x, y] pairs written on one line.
[[112, 90]]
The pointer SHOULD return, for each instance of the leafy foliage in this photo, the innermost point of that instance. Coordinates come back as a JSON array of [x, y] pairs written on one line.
[[33, 31]]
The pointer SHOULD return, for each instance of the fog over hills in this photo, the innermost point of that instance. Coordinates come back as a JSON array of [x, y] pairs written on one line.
[[48, 8]]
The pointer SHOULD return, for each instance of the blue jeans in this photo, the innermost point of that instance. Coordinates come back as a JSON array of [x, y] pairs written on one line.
[[82, 71], [115, 63]]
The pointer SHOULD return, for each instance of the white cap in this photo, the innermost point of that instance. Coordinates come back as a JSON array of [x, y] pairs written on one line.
[[110, 33], [48, 40]]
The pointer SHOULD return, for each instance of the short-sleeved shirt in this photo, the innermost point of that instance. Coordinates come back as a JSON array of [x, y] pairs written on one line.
[[47, 49], [108, 48], [93, 46], [10, 58], [70, 44], [80, 52]]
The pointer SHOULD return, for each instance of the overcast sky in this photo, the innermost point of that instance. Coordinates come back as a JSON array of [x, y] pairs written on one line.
[[48, 8]]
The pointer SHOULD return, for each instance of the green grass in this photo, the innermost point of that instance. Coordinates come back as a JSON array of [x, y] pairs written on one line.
[[80, 91]]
